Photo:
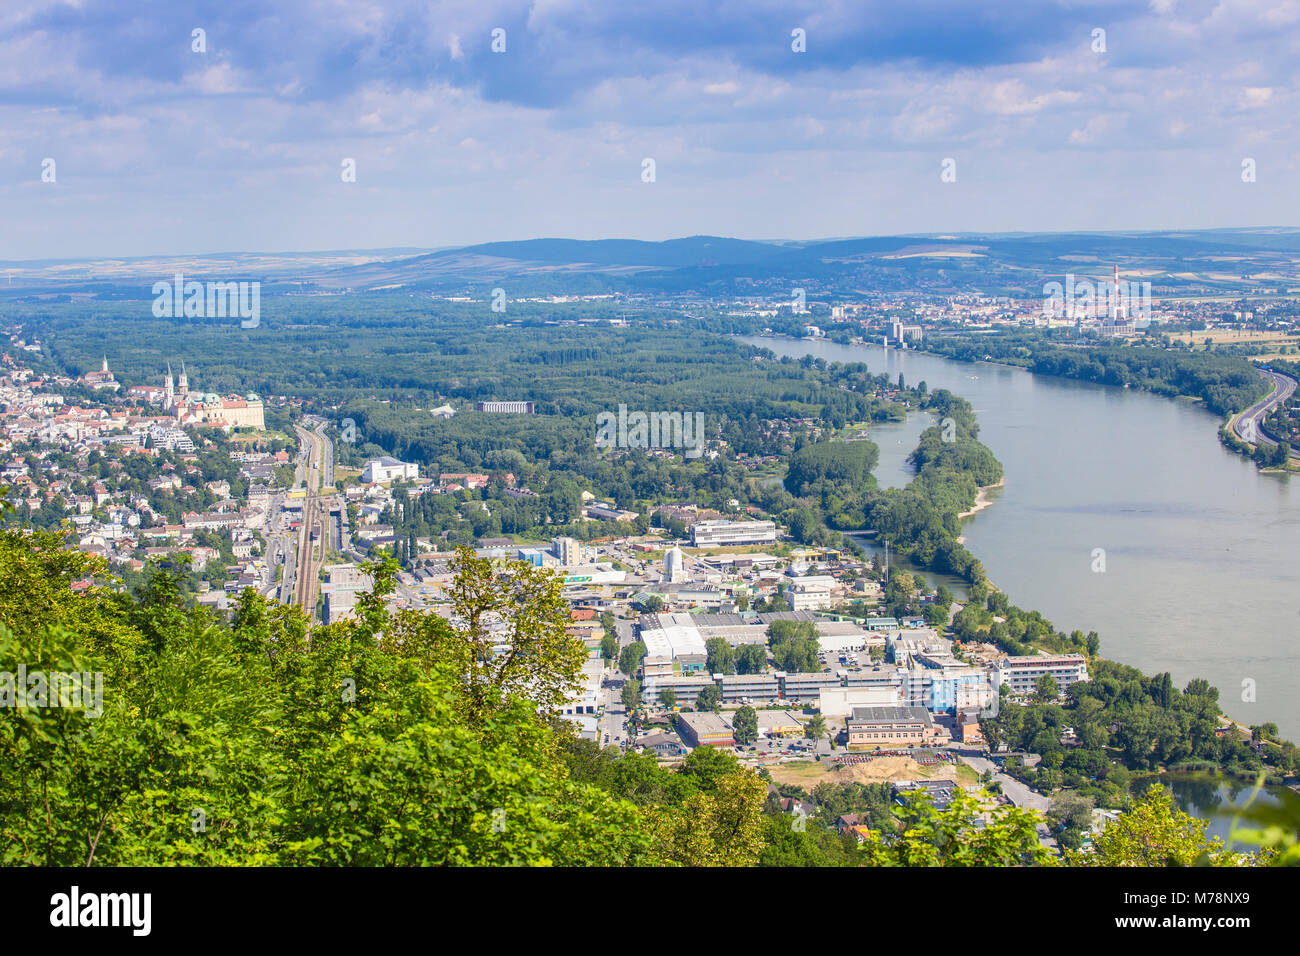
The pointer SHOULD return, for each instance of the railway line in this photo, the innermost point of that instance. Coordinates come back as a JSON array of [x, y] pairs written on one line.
[[313, 536]]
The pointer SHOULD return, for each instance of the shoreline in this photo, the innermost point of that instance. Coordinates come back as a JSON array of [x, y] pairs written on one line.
[[982, 500]]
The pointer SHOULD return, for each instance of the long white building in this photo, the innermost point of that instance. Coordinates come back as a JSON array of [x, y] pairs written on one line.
[[1021, 673], [705, 534]]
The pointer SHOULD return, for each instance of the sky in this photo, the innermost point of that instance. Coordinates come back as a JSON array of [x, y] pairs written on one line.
[[1041, 122]]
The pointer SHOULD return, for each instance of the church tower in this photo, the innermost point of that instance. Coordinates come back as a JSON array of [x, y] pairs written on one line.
[[171, 392]]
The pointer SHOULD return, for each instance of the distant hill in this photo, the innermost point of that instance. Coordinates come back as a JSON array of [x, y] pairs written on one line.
[[1221, 260]]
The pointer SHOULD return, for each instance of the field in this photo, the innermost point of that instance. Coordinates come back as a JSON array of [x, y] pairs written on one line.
[[809, 773], [1233, 337]]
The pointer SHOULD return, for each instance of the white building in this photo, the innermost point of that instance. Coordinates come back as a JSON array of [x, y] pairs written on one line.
[[1022, 673], [812, 592], [568, 551], [383, 470], [840, 701], [675, 566], [507, 408], [345, 584], [672, 639], [705, 534]]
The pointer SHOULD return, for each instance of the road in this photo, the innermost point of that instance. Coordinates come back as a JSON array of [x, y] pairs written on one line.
[[1247, 423], [1017, 793]]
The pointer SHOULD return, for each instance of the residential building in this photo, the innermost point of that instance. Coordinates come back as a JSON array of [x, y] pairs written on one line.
[[568, 551], [344, 584], [806, 686], [1022, 673], [811, 593], [664, 746], [840, 701]]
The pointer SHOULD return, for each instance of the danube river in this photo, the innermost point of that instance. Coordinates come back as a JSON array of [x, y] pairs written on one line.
[[1122, 514]]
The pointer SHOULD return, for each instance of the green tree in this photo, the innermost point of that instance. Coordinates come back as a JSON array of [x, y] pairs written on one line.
[[1046, 689], [721, 658], [265, 742], [954, 835], [708, 698], [721, 827], [751, 659], [1154, 832], [744, 725], [1070, 817], [631, 694], [630, 658], [543, 662], [795, 646], [815, 729]]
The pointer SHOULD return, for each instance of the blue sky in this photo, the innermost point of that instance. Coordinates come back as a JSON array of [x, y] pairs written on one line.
[[161, 150]]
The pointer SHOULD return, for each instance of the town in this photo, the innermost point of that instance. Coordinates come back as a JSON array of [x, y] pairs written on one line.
[[727, 634]]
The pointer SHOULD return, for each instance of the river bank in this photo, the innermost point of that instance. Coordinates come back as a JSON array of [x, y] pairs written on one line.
[[1182, 522], [983, 499]]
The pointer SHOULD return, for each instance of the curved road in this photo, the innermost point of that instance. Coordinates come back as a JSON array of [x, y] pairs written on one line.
[[1248, 422]]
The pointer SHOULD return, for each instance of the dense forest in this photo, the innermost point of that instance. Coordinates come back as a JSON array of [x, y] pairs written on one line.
[[922, 519]]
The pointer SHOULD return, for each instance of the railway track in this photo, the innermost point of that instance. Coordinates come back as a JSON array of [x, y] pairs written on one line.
[[313, 535]]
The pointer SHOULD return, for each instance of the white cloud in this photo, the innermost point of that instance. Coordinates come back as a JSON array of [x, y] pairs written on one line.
[[1255, 96], [1086, 136]]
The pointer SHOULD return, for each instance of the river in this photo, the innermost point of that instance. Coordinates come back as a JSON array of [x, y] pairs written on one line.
[[1123, 514]]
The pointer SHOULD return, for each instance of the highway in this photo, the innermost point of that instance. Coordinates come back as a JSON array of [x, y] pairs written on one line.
[[1247, 425]]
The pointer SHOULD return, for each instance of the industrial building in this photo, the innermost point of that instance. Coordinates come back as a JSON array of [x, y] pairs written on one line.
[[712, 534], [873, 727], [705, 729], [386, 469]]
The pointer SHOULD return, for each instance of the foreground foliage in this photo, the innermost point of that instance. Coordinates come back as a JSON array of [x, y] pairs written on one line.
[[397, 739]]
